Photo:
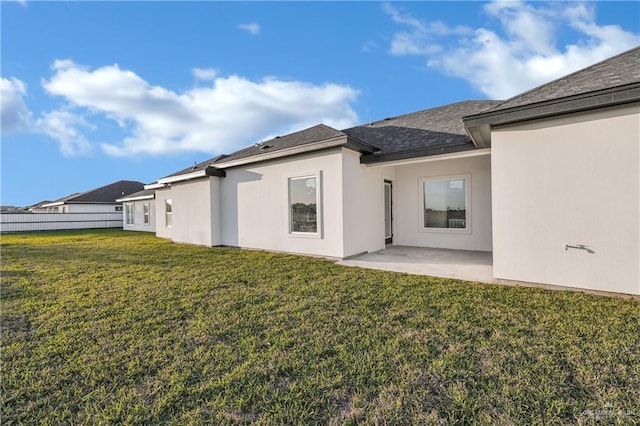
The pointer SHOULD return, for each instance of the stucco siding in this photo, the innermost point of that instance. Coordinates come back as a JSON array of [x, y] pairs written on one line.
[[89, 208], [255, 210], [571, 180], [408, 204], [215, 217], [191, 210], [138, 220], [195, 214], [162, 231], [363, 200]]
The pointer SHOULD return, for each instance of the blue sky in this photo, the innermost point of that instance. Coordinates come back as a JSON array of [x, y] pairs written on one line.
[[94, 92]]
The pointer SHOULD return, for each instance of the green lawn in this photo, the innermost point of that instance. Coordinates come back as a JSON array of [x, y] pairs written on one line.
[[112, 327]]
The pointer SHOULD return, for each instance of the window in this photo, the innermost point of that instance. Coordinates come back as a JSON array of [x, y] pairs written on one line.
[[168, 212], [304, 202], [445, 204], [145, 213], [129, 212]]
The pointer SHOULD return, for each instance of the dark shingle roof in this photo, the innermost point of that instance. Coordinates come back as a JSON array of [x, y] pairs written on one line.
[[431, 131], [615, 81], [104, 194], [616, 71], [108, 193], [39, 204], [197, 167], [316, 133]]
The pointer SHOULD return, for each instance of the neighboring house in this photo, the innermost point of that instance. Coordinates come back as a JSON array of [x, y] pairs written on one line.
[[548, 181], [37, 207], [139, 211], [99, 200], [10, 209]]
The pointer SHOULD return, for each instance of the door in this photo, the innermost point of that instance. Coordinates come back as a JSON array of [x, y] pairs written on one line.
[[388, 212]]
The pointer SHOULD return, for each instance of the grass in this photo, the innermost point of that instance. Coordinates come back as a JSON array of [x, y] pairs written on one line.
[[112, 327]]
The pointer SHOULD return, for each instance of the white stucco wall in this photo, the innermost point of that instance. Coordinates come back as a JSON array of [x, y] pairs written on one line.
[[249, 207], [363, 201], [570, 180], [255, 205], [195, 218], [162, 230], [89, 208], [407, 204], [138, 222]]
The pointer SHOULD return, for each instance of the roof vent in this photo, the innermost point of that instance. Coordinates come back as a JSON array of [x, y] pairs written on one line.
[[277, 137], [265, 147], [387, 119], [195, 166]]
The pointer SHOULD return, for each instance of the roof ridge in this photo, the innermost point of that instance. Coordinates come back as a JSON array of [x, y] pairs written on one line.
[[304, 130], [287, 135], [425, 110]]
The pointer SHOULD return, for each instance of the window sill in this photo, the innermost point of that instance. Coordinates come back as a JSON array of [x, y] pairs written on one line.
[[445, 230], [314, 236]]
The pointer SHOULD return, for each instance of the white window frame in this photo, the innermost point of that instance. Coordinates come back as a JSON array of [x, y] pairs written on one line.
[[146, 214], [468, 212], [168, 213], [129, 214], [318, 234]]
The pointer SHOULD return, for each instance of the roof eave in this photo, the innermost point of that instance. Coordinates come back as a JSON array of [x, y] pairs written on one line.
[[479, 125], [139, 198], [54, 204], [90, 202], [208, 171], [154, 185], [360, 146], [287, 152], [405, 155]]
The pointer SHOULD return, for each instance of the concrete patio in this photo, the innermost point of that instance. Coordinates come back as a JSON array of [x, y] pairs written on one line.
[[459, 264]]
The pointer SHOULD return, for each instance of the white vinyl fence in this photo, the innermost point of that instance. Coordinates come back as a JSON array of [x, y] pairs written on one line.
[[25, 222]]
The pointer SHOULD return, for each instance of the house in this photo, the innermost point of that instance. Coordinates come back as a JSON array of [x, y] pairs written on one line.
[[548, 181], [139, 210], [565, 172], [38, 207], [98, 200], [10, 209]]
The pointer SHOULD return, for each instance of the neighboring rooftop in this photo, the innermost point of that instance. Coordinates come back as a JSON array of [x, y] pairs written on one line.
[[431, 131], [104, 194], [38, 205]]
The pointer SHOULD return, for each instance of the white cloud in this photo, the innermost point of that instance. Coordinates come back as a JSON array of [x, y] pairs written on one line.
[[421, 37], [63, 126], [15, 114], [231, 113], [522, 53], [252, 28], [205, 73]]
